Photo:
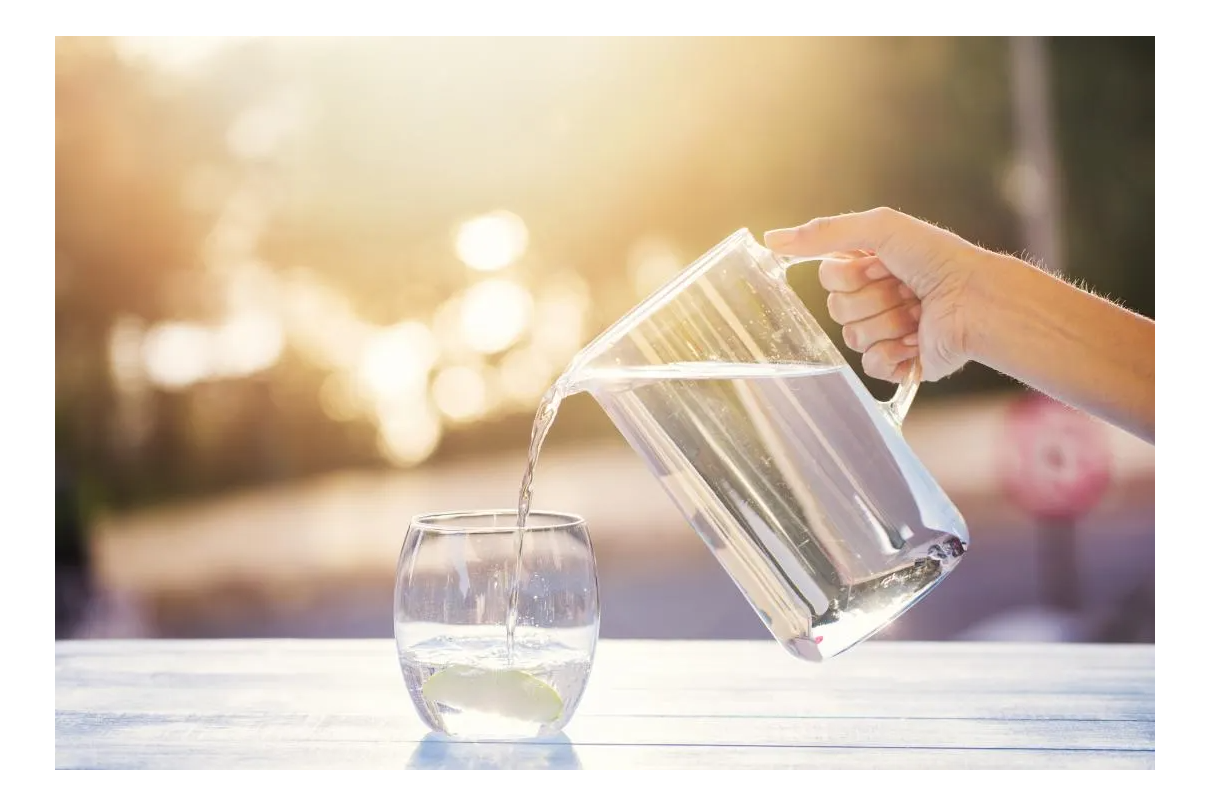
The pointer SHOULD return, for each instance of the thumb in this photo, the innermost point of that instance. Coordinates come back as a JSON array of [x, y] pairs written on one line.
[[818, 238]]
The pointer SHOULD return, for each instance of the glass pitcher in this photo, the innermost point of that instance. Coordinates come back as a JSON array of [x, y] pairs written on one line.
[[796, 478]]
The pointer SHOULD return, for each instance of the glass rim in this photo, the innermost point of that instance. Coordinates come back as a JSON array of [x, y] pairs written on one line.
[[446, 521]]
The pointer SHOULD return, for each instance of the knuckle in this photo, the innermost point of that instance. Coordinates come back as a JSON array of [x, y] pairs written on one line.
[[877, 298], [876, 303], [885, 215], [813, 230], [892, 293], [884, 221]]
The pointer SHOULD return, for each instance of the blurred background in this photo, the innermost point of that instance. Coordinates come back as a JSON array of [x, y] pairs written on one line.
[[309, 288]]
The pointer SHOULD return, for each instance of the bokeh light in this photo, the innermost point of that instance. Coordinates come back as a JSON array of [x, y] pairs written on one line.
[[177, 354], [397, 360], [125, 355], [461, 393], [408, 434], [525, 374], [494, 314], [560, 320], [247, 343], [492, 242]]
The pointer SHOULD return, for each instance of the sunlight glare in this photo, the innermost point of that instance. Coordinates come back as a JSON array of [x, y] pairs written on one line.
[[173, 54]]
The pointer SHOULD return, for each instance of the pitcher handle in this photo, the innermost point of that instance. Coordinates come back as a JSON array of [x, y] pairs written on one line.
[[896, 408]]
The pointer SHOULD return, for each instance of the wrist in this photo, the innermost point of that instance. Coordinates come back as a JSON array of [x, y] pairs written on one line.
[[995, 286]]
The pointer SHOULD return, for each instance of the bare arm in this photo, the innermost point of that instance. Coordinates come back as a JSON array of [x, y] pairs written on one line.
[[1072, 345], [908, 291]]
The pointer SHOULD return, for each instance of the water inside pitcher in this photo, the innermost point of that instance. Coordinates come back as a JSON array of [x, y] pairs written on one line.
[[796, 478]]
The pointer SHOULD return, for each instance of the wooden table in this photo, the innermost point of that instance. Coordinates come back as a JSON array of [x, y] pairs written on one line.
[[719, 705]]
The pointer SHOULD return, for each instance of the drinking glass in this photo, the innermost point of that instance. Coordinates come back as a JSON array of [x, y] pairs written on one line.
[[454, 584]]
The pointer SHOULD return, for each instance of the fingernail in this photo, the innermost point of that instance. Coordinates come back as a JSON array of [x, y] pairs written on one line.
[[912, 339], [775, 239]]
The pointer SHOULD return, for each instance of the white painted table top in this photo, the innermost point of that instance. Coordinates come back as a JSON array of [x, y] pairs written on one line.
[[284, 703]]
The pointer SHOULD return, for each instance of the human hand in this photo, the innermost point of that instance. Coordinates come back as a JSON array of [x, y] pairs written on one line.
[[899, 286]]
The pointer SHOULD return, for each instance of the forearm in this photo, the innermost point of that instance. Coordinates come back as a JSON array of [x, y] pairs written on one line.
[[1072, 345]]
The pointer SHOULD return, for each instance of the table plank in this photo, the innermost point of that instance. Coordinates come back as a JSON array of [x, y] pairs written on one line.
[[341, 703], [416, 756]]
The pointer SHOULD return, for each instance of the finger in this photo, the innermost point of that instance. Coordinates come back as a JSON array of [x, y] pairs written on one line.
[[873, 299], [894, 324], [889, 361], [819, 238], [850, 274], [902, 370]]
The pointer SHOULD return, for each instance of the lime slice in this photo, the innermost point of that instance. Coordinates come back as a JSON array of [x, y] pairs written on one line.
[[513, 694]]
